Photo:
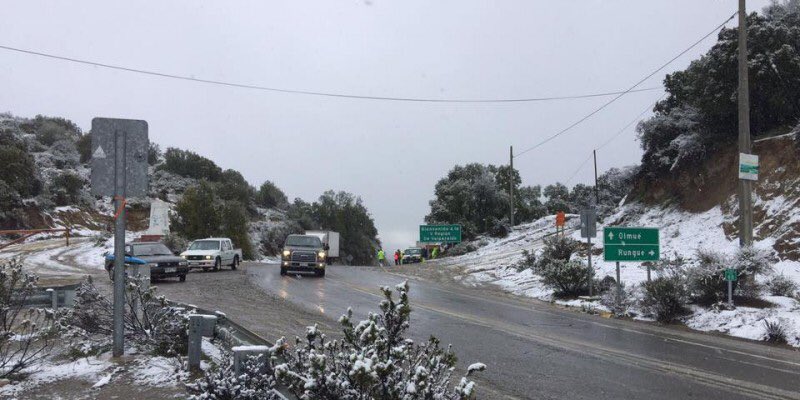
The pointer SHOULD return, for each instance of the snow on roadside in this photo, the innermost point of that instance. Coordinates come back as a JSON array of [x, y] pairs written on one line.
[[682, 234], [89, 369]]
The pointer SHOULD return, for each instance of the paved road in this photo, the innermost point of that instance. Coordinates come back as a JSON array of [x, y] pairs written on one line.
[[538, 351]]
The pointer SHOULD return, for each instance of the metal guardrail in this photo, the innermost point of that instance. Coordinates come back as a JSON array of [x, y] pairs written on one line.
[[43, 297]]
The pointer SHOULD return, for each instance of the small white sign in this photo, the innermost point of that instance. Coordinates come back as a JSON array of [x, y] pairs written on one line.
[[99, 153], [748, 166]]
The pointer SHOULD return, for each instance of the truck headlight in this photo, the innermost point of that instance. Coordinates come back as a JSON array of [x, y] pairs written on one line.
[[183, 263], [152, 265], [321, 254], [208, 257], [287, 253]]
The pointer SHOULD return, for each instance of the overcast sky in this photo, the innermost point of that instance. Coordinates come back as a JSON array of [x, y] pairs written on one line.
[[389, 153]]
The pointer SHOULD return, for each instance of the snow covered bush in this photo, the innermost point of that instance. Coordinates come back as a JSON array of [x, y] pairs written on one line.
[[780, 285], [26, 334], [256, 381], [150, 321], [749, 261], [373, 360], [664, 298], [618, 303], [705, 280], [774, 331], [175, 242], [528, 261], [566, 278]]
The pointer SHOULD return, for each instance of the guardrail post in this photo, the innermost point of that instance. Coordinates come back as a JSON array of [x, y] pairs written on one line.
[[53, 298], [241, 353], [195, 341]]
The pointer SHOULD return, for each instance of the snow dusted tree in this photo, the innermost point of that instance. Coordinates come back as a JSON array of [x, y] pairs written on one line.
[[373, 360]]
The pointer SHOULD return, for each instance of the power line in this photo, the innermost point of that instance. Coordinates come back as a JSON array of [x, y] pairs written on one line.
[[616, 135], [315, 93], [578, 122]]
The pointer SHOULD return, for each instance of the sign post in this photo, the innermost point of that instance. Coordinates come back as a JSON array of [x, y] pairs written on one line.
[[630, 244], [119, 169], [589, 230], [730, 276]]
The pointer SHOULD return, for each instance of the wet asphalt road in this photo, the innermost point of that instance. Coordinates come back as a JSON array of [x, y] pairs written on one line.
[[537, 351]]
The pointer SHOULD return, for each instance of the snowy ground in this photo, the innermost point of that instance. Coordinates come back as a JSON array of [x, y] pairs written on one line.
[[135, 368], [682, 234]]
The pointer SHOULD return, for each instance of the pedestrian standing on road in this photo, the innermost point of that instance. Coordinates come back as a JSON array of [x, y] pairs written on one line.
[[435, 252], [397, 257], [381, 257]]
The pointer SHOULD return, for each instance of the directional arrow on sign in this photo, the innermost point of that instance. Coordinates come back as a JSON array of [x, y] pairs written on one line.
[[652, 253], [611, 234]]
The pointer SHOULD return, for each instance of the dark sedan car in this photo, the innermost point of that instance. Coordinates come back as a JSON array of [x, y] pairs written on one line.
[[163, 263]]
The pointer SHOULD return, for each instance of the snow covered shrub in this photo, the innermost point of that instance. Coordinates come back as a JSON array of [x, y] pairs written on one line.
[[157, 326], [558, 248], [774, 332], [461, 249], [664, 298], [25, 333], [705, 281], [499, 228], [566, 278], [749, 261], [66, 188], [618, 304], [780, 285], [373, 360], [256, 381], [528, 261]]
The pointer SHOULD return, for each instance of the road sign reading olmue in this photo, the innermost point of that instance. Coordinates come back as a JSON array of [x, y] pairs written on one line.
[[440, 233], [630, 244]]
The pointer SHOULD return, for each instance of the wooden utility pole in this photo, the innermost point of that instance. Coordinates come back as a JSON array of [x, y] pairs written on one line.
[[745, 186], [511, 184], [596, 190]]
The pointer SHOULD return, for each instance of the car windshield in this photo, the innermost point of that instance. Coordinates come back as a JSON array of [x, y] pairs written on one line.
[[205, 245], [303, 241], [413, 252], [151, 249]]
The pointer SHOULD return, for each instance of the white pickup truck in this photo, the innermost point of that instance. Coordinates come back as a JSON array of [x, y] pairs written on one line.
[[212, 253]]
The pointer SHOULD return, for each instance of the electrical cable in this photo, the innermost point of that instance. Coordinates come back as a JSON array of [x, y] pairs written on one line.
[[315, 93], [606, 104]]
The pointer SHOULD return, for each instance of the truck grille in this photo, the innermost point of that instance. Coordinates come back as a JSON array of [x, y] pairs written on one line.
[[195, 257], [304, 256]]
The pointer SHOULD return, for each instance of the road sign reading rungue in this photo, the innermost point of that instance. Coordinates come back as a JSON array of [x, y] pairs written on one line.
[[631, 244]]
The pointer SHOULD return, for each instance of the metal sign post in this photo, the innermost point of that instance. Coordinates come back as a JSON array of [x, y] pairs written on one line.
[[589, 230], [730, 276], [119, 169]]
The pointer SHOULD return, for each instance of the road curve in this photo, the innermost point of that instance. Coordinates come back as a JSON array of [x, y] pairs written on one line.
[[537, 351]]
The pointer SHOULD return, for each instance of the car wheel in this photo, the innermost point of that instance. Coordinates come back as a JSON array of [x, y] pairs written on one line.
[[111, 274], [283, 271], [217, 264], [205, 269], [235, 263], [321, 273], [182, 278]]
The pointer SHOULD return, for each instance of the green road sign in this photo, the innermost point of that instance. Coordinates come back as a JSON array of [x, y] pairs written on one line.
[[730, 274], [440, 233], [630, 244]]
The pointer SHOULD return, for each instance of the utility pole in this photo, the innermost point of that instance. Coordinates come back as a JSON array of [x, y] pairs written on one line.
[[511, 184], [596, 191], [745, 188]]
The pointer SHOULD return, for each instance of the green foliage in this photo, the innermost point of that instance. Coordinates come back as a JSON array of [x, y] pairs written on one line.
[[701, 109], [270, 196], [664, 298], [175, 242], [233, 187], [780, 285], [302, 212], [84, 147], [154, 153], [567, 278], [190, 164], [196, 214], [345, 213], [559, 248], [557, 198], [18, 170], [775, 332], [234, 226], [49, 130], [66, 188], [528, 204]]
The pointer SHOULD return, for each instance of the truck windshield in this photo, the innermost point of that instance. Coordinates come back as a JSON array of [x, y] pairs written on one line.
[[205, 245], [413, 252], [303, 241], [154, 249]]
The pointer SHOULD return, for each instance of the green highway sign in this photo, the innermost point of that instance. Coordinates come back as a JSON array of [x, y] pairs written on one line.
[[730, 274], [440, 233], [631, 244]]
